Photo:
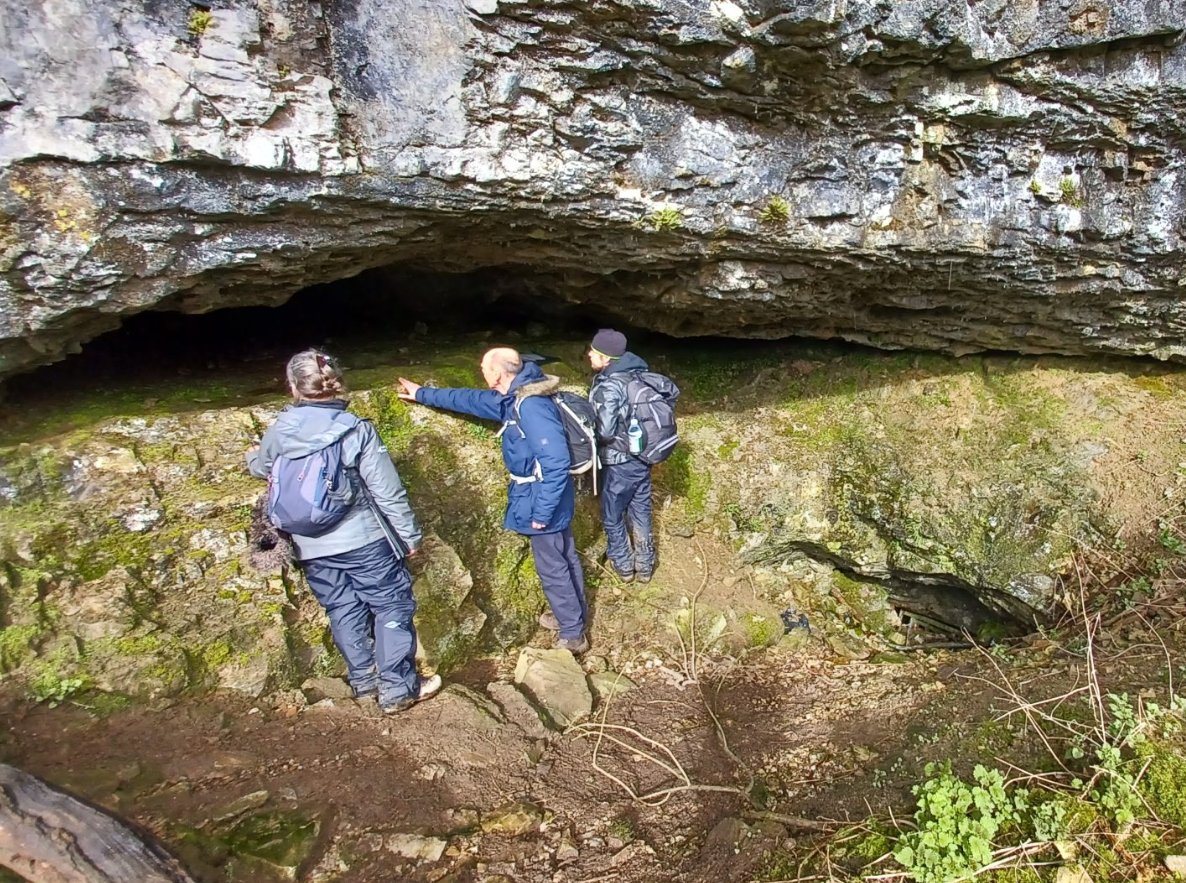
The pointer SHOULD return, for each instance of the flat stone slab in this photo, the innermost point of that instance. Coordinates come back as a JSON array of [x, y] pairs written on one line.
[[520, 710], [608, 684], [557, 683]]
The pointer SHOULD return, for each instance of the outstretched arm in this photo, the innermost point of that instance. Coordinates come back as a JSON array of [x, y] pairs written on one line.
[[484, 403]]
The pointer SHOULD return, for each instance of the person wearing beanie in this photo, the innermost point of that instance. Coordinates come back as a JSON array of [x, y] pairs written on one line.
[[626, 479]]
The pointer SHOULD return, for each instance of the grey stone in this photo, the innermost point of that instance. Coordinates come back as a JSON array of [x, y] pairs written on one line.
[[557, 682], [974, 230], [316, 689], [513, 820], [520, 711], [608, 685], [416, 847]]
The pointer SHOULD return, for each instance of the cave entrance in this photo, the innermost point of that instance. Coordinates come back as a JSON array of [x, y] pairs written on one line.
[[358, 315]]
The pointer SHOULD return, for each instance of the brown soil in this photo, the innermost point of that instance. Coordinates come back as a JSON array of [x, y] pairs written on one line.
[[827, 740]]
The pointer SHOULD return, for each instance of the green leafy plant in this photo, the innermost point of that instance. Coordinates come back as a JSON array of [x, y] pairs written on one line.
[[54, 689], [1070, 193], [777, 211], [200, 20], [958, 823], [668, 218], [1035, 187], [1169, 539]]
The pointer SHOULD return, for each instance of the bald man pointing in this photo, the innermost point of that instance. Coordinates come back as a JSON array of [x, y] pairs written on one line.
[[540, 498]]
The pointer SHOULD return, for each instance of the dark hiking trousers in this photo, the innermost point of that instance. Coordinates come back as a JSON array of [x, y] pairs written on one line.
[[562, 579], [626, 495], [367, 594]]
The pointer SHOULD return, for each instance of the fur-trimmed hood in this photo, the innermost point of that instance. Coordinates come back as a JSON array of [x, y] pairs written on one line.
[[545, 387]]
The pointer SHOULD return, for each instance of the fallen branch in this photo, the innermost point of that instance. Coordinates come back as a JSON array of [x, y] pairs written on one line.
[[47, 836], [795, 822]]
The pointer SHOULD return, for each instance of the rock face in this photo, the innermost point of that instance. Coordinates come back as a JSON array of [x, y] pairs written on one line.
[[846, 488], [919, 174]]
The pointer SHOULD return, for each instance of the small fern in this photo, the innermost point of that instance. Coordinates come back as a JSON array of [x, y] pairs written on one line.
[[777, 211]]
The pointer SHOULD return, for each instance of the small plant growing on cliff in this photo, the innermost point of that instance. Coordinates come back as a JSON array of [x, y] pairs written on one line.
[[200, 20], [1070, 193], [1035, 187], [777, 211], [668, 218]]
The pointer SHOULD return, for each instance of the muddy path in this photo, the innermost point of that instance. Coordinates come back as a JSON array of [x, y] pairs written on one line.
[[810, 729]]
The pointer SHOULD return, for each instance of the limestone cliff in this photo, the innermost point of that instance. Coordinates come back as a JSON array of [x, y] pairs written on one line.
[[925, 173]]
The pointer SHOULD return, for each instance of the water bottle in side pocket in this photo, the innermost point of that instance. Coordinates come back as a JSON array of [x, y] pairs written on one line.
[[634, 437]]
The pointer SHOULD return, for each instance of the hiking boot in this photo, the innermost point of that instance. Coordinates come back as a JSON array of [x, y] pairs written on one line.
[[366, 693], [624, 577], [641, 577], [548, 620], [575, 646], [429, 687]]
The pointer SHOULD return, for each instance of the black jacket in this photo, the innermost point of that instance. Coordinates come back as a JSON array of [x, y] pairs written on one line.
[[608, 395]]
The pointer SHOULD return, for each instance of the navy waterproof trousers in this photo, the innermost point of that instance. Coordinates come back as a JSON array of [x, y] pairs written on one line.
[[563, 580], [367, 594], [626, 495]]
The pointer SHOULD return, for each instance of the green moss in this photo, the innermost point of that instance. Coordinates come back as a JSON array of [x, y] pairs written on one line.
[[678, 476], [778, 865], [1158, 387], [17, 644], [1164, 783], [516, 593], [868, 603], [102, 704], [758, 630], [283, 839], [391, 417], [116, 547], [216, 654], [871, 846]]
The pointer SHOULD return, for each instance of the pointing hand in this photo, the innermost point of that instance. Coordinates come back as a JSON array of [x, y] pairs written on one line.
[[408, 391]]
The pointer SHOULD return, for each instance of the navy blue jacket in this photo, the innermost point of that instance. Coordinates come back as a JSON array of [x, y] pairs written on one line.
[[534, 435]]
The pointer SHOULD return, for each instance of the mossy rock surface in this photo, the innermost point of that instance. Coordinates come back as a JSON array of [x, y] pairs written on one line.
[[849, 477]]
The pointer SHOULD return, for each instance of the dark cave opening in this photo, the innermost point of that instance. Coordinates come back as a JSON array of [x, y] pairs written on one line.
[[364, 311]]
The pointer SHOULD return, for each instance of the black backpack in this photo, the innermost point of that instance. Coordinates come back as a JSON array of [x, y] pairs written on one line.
[[580, 431], [650, 403]]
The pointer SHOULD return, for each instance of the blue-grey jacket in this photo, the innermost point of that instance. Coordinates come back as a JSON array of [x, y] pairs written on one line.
[[608, 395], [532, 434], [306, 427]]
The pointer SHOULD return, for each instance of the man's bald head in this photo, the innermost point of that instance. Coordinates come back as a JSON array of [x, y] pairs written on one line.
[[500, 366]]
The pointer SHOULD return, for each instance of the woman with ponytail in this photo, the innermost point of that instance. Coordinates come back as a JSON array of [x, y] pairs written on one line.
[[356, 572]]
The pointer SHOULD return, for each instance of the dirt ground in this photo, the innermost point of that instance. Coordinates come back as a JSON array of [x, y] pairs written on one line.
[[790, 719], [791, 730]]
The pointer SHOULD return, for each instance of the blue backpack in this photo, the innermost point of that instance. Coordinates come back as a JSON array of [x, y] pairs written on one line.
[[309, 495]]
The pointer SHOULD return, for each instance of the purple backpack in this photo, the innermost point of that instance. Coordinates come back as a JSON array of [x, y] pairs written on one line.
[[309, 495]]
